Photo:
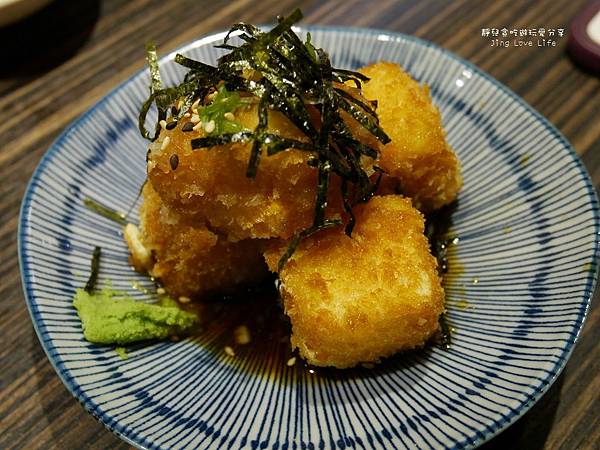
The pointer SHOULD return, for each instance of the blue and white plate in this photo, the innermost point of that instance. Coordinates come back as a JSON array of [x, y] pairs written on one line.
[[518, 289]]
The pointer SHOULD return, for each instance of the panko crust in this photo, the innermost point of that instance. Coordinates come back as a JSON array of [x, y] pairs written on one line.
[[191, 260], [358, 299], [418, 159], [212, 182]]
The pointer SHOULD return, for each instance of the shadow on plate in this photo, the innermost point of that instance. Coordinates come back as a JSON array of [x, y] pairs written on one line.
[[47, 38]]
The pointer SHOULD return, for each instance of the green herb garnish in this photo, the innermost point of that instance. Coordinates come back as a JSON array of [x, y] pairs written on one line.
[[311, 48], [104, 211], [223, 102], [282, 73]]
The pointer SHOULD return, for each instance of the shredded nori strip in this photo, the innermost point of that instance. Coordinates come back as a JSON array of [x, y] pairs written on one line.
[[212, 141], [261, 128], [95, 269], [105, 211], [137, 197], [282, 73], [329, 223]]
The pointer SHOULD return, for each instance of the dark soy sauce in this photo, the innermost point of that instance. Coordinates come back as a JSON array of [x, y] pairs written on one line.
[[442, 241]]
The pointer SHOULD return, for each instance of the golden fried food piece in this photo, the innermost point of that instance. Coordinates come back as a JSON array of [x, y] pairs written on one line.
[[358, 299], [213, 182], [418, 157], [191, 260]]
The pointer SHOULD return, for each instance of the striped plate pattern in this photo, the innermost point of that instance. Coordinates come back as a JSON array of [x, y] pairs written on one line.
[[518, 288]]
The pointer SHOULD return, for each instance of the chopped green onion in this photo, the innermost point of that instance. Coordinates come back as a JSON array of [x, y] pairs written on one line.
[[105, 211]]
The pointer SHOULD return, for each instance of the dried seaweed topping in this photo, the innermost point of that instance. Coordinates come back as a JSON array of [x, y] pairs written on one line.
[[90, 286], [280, 72]]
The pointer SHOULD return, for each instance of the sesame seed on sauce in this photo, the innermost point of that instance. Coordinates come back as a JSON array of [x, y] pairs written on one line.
[[188, 126], [242, 335], [163, 123], [171, 125], [174, 161], [229, 116]]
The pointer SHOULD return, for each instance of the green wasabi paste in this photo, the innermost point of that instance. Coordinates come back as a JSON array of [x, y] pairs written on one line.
[[122, 352], [110, 317]]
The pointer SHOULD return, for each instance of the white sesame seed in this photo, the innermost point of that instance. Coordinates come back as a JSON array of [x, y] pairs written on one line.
[[242, 335], [163, 123], [195, 118], [184, 299], [291, 361], [210, 97], [229, 116], [198, 126], [210, 126], [161, 291], [165, 143], [186, 115], [196, 103], [229, 351]]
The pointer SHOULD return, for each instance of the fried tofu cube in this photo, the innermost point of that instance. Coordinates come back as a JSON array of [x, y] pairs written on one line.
[[189, 259], [358, 299], [418, 160], [212, 183]]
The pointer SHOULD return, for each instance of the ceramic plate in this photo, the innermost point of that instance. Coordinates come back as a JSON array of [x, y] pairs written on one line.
[[14, 10], [518, 288]]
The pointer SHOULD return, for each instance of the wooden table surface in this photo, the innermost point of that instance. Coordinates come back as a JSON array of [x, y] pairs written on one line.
[[59, 62]]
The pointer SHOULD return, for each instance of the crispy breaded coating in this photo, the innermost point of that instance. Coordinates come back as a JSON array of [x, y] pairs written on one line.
[[191, 260], [358, 299], [418, 157], [213, 182]]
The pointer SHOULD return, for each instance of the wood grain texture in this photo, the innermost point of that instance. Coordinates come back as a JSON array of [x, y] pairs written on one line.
[[58, 63]]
